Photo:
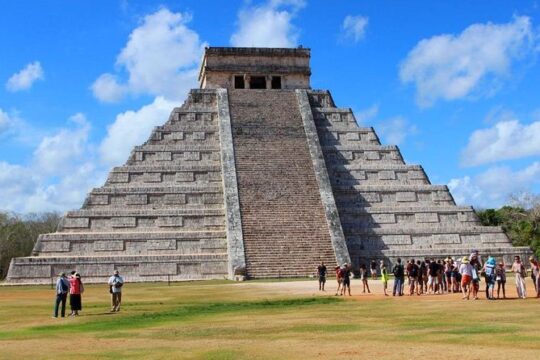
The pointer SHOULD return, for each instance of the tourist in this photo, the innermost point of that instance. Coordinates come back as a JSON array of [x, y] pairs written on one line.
[[440, 277], [432, 275], [500, 277], [466, 271], [346, 279], [62, 288], [476, 265], [75, 290], [412, 273], [115, 288], [364, 278], [321, 271], [384, 277], [399, 278], [423, 281], [339, 279], [419, 278], [448, 265], [373, 269], [535, 269], [520, 274], [489, 271], [534, 276]]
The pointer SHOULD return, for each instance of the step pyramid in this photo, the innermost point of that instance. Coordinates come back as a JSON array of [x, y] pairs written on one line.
[[256, 174]]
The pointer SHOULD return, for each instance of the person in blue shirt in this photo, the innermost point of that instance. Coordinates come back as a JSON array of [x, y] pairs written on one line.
[[62, 289]]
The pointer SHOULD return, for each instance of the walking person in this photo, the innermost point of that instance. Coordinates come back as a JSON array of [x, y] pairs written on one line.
[[466, 271], [75, 291], [321, 271], [115, 288], [364, 278], [535, 269], [520, 274], [62, 288], [500, 277], [399, 278], [384, 277], [339, 279], [373, 268]]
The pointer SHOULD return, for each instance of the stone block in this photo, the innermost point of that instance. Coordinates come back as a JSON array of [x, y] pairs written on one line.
[[358, 174], [170, 221], [348, 155], [32, 271], [212, 199], [352, 136], [443, 239], [372, 155], [55, 246], [387, 175], [136, 199], [151, 177], [93, 270], [161, 244], [176, 135], [213, 221], [174, 199], [123, 222], [109, 245], [472, 240], [192, 156], [120, 177], [213, 267], [162, 156], [99, 199], [406, 196], [76, 223], [441, 196], [189, 271], [199, 135], [494, 238], [427, 217], [184, 176], [139, 156], [147, 269], [397, 239], [383, 218], [370, 197]]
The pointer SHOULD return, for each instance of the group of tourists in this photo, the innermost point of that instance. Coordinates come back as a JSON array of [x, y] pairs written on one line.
[[72, 285], [431, 276]]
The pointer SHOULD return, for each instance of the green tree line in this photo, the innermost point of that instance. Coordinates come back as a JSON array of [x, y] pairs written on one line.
[[18, 234]]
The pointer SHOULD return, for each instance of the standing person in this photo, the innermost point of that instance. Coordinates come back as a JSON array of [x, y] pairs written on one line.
[[466, 270], [384, 277], [412, 270], [364, 278], [339, 279], [534, 275], [62, 288], [432, 275], [500, 277], [373, 267], [520, 273], [75, 290], [476, 264], [321, 271], [115, 283], [423, 278], [489, 271], [346, 279], [535, 269], [399, 278]]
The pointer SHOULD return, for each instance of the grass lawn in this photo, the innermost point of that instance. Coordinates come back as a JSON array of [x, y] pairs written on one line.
[[266, 320]]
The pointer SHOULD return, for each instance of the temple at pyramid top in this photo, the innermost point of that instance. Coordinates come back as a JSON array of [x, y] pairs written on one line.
[[255, 68]]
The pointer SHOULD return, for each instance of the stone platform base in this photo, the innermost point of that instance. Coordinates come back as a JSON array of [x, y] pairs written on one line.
[[40, 270]]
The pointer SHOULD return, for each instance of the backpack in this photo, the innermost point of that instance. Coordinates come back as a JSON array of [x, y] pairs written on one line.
[[398, 271], [414, 271]]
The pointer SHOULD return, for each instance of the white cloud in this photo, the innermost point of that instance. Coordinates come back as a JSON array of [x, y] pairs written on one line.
[[354, 27], [268, 25], [364, 115], [395, 130], [493, 187], [118, 143], [55, 154], [451, 67], [161, 58], [505, 140], [24, 79], [6, 121]]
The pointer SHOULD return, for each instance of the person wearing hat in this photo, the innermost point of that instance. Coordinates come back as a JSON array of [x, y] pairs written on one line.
[[466, 271], [115, 288], [76, 289], [62, 288]]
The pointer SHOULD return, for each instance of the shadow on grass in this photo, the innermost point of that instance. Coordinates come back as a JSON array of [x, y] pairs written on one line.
[[148, 319]]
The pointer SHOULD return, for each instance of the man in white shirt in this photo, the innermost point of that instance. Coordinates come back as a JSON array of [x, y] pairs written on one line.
[[116, 282]]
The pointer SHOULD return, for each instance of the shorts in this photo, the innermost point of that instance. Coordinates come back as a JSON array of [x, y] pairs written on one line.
[[431, 279], [448, 274], [466, 280], [374, 272], [347, 282], [322, 279]]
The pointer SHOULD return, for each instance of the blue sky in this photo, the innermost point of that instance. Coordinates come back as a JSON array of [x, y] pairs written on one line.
[[454, 84]]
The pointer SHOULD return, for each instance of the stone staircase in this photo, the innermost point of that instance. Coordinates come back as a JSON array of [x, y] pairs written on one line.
[[160, 216], [283, 221], [390, 209]]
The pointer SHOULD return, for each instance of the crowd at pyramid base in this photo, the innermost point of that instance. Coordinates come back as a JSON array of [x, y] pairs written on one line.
[[258, 175]]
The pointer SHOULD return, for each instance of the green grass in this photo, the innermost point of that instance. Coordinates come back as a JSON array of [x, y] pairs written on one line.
[[259, 320]]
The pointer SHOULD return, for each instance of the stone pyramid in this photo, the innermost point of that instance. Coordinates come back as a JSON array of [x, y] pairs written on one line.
[[257, 174]]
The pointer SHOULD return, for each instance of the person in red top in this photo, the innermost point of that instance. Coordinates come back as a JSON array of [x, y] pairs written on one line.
[[75, 290], [339, 278]]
